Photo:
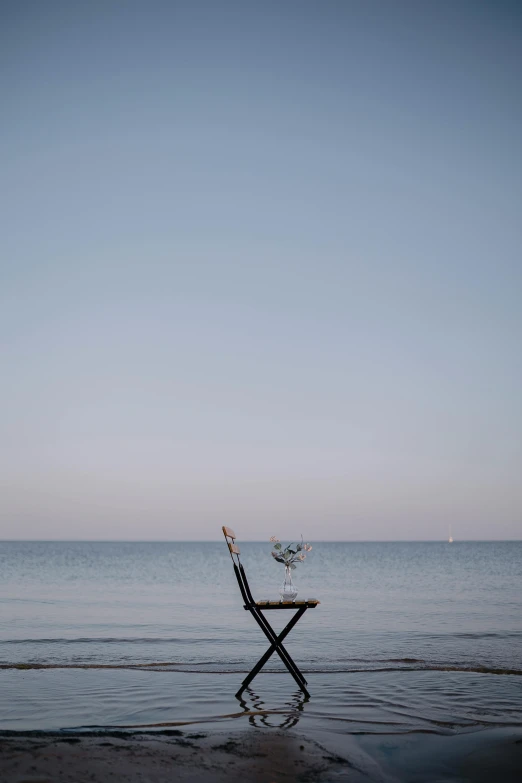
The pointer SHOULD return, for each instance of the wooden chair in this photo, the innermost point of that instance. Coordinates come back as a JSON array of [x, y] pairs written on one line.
[[256, 608]]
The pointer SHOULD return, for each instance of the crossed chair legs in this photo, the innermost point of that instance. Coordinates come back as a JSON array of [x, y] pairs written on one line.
[[276, 646]]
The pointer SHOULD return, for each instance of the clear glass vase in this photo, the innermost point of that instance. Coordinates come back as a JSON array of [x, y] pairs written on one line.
[[288, 590]]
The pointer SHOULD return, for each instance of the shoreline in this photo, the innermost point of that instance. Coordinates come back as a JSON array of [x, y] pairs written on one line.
[[253, 754]]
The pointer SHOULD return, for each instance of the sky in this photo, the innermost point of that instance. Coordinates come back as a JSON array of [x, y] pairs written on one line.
[[260, 266]]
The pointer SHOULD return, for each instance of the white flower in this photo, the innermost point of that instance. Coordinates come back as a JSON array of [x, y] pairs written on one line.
[[291, 554]]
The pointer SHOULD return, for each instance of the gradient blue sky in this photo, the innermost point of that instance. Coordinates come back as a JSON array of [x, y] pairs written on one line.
[[261, 266]]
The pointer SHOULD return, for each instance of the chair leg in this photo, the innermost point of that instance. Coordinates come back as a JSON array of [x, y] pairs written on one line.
[[272, 637], [276, 647]]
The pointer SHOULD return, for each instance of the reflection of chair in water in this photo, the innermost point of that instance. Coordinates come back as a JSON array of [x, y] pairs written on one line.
[[256, 608], [258, 712]]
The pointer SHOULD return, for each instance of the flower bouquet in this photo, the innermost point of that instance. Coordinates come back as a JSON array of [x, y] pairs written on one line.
[[289, 556]]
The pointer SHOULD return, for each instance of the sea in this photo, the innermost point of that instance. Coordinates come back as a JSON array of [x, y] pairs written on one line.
[[408, 637]]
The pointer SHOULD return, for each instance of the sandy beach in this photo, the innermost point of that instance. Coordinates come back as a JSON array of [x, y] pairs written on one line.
[[260, 755]]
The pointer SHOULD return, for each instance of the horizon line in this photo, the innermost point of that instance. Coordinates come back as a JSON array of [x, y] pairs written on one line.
[[249, 540]]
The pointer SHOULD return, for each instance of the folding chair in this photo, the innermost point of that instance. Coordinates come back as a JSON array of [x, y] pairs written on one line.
[[256, 608]]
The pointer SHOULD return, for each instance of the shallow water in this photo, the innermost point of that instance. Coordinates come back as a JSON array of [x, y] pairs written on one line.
[[398, 629], [350, 702]]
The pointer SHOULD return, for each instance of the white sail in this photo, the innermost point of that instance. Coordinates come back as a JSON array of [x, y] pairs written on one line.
[[450, 537]]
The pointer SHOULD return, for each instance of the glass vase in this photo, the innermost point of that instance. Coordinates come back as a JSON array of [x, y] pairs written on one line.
[[288, 590]]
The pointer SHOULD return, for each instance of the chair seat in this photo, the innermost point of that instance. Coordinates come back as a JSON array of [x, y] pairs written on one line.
[[311, 603]]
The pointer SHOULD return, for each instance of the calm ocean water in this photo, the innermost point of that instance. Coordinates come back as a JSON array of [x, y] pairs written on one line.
[[402, 624]]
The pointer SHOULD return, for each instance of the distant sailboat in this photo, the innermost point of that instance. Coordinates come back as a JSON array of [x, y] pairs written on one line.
[[450, 539]]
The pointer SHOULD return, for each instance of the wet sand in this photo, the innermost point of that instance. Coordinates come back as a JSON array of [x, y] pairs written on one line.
[[267, 755], [246, 756]]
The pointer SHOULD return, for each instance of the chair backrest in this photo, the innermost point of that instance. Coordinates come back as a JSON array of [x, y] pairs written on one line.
[[239, 571]]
